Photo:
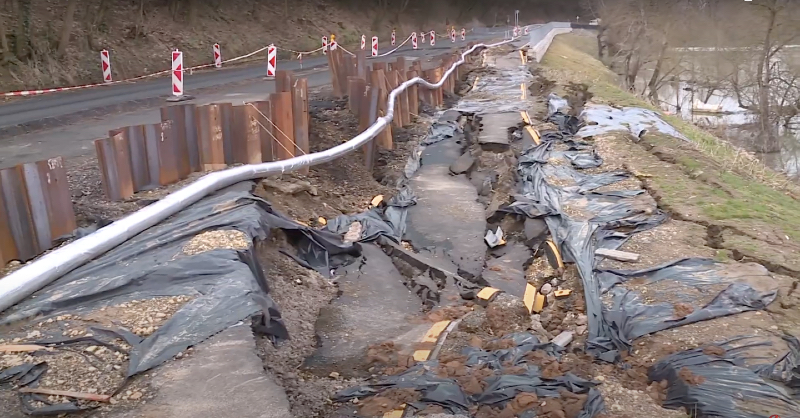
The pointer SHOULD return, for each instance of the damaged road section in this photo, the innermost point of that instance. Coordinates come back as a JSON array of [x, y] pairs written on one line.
[[203, 256]]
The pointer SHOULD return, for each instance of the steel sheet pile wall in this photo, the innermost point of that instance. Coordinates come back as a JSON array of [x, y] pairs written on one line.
[[35, 209], [205, 138]]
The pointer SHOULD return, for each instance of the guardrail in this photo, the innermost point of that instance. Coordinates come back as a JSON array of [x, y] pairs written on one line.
[[34, 276], [542, 36]]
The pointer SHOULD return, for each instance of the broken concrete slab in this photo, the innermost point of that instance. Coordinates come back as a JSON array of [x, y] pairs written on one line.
[[494, 134], [463, 164], [507, 272], [223, 378], [447, 214], [362, 315]]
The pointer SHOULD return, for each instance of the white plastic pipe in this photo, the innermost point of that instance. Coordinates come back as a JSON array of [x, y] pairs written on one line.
[[32, 277]]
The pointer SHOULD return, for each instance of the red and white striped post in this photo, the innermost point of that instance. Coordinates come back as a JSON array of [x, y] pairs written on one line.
[[526, 30], [453, 35], [334, 45], [363, 42], [217, 56], [433, 38], [463, 34], [324, 45], [374, 46], [105, 63], [394, 39], [177, 76], [422, 34], [414, 40], [272, 58], [516, 31]]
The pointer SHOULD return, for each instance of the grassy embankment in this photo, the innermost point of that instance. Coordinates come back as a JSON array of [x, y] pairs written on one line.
[[752, 212]]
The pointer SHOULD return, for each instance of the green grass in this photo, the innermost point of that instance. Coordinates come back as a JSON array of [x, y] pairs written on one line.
[[759, 193]]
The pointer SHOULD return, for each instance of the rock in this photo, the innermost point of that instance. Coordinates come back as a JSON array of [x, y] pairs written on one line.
[[581, 320], [538, 330], [473, 322], [580, 330], [290, 187], [136, 396], [334, 375], [535, 229], [546, 289], [462, 164]]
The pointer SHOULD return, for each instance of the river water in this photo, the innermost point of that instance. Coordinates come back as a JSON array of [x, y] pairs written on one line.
[[720, 113]]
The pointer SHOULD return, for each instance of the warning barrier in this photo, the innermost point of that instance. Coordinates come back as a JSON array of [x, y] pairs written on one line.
[[217, 56], [363, 42], [216, 63], [374, 46], [463, 34], [177, 73], [105, 62], [414, 40], [272, 58], [393, 37], [433, 38]]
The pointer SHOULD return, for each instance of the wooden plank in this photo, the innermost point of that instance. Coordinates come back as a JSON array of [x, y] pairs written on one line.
[[391, 78], [301, 117], [283, 119], [57, 195], [226, 123], [283, 81], [405, 117], [161, 154], [361, 64], [617, 255], [267, 131], [369, 110], [75, 395], [413, 96], [355, 90], [209, 135], [122, 158], [8, 249], [138, 155], [19, 217], [247, 140], [173, 121]]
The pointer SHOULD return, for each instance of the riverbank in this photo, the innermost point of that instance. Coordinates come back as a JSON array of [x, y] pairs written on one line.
[[746, 211]]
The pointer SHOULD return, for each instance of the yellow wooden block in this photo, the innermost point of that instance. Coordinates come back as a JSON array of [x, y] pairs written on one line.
[[522, 88], [538, 304], [322, 221], [397, 413], [522, 56], [562, 293], [376, 200], [556, 253], [529, 297], [525, 117], [430, 337], [487, 292], [475, 83]]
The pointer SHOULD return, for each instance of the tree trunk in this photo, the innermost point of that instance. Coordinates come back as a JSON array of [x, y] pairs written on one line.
[[66, 30], [652, 85], [21, 9], [4, 41], [764, 77]]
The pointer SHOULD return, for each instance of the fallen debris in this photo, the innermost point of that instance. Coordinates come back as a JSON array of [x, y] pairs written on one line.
[[617, 255], [76, 395], [20, 348]]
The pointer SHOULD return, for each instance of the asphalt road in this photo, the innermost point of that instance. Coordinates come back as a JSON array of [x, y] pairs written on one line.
[[30, 113]]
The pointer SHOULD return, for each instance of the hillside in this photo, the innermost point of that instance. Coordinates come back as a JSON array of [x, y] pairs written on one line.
[[140, 33]]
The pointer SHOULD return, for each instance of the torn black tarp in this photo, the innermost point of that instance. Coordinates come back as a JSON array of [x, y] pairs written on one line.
[[226, 285], [581, 219], [501, 386], [717, 383]]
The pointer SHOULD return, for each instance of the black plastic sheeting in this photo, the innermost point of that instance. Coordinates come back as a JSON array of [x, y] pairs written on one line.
[[723, 386], [611, 217], [501, 388], [617, 315], [226, 285]]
